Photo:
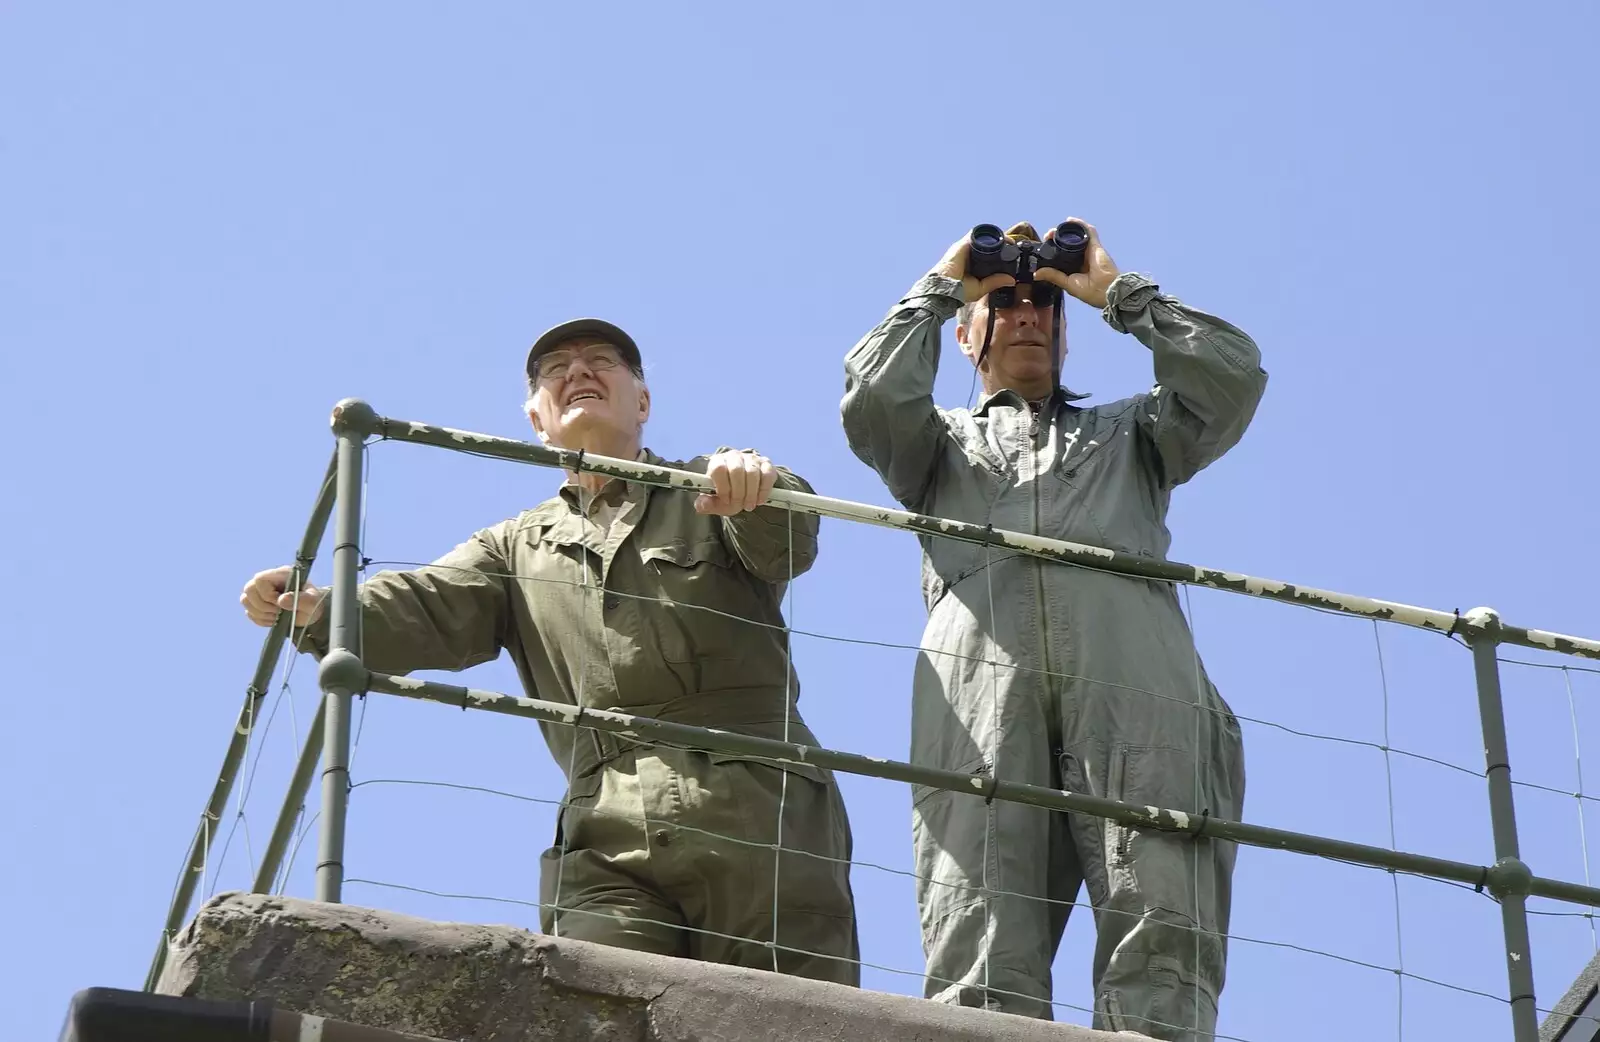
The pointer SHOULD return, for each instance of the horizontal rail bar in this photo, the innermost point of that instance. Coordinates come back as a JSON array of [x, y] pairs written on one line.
[[646, 729], [255, 694], [1062, 550]]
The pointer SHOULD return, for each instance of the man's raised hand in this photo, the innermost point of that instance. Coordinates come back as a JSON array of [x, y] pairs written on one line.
[[1092, 283], [954, 266]]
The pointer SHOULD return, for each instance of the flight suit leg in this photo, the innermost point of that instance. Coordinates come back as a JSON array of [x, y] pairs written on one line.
[[986, 875], [1162, 899]]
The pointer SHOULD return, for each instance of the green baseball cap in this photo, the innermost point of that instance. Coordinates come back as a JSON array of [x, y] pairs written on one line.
[[555, 336]]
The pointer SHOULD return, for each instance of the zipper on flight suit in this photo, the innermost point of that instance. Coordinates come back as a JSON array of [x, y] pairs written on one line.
[[1038, 564]]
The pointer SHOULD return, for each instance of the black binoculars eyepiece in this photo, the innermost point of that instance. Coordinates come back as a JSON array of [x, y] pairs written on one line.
[[991, 253]]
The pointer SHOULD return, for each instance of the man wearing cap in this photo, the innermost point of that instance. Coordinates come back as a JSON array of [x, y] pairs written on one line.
[[661, 603], [1038, 672]]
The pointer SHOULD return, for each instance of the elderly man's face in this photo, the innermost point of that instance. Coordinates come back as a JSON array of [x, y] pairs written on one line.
[[584, 387], [1021, 355]]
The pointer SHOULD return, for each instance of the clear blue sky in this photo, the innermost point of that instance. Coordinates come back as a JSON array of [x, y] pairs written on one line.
[[216, 223]]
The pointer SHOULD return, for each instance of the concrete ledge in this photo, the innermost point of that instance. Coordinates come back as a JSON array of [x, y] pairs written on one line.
[[1575, 1016], [472, 983]]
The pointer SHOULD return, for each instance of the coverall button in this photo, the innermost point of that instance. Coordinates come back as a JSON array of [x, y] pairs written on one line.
[[612, 601], [663, 837]]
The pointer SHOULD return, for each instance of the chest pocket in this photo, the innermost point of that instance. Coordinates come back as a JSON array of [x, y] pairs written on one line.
[[688, 553], [1084, 449], [690, 575], [555, 564], [567, 535]]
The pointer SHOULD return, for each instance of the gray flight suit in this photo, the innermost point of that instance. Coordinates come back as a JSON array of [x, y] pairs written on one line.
[[1052, 675], [598, 601]]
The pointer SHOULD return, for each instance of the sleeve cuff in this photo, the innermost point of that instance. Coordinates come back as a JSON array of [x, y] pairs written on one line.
[[316, 637], [938, 294], [1129, 294]]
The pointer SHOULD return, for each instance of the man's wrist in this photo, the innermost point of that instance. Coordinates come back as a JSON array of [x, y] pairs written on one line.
[[315, 635], [938, 294]]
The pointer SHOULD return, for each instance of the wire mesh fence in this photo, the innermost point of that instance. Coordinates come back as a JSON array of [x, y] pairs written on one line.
[[1393, 773]]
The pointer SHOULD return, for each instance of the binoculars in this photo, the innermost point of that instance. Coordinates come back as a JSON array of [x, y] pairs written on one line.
[[991, 253]]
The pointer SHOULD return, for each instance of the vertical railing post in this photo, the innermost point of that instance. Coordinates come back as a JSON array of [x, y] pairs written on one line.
[[352, 421], [1508, 880]]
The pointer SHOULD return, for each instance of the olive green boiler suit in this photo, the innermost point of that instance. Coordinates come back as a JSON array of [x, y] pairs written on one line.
[[1061, 676], [595, 598]]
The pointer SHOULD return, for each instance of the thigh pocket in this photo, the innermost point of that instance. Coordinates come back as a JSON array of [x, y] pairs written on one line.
[[1158, 777], [806, 792], [1165, 867], [576, 809], [556, 861], [551, 888], [814, 873]]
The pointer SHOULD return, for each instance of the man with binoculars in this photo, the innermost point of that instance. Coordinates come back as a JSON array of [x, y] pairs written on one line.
[[1043, 673]]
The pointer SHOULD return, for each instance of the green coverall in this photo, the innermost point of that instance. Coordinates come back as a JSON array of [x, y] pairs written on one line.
[[1062, 676], [597, 601]]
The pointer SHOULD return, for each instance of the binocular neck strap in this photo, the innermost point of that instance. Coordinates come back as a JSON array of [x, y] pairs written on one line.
[[1055, 344], [988, 335]]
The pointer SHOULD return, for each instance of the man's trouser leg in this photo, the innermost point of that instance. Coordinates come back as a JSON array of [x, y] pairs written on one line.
[[670, 851], [736, 889], [1162, 899], [596, 883], [995, 885]]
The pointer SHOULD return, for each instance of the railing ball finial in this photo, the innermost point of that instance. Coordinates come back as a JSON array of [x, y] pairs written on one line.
[[341, 673], [354, 416]]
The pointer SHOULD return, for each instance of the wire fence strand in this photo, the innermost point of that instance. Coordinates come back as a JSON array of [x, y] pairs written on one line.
[[1394, 842], [1197, 850], [1577, 760], [256, 741], [788, 714]]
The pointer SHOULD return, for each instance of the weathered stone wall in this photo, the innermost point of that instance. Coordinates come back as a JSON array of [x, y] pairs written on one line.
[[471, 983], [1574, 1017]]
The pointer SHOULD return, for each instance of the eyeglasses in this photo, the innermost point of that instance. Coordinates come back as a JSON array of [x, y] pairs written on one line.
[[597, 358], [1042, 295]]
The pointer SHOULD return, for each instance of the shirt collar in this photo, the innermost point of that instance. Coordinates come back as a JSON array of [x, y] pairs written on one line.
[[1007, 396]]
